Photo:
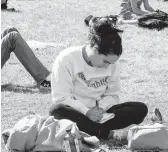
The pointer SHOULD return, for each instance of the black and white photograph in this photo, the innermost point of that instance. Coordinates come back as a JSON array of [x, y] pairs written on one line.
[[84, 76]]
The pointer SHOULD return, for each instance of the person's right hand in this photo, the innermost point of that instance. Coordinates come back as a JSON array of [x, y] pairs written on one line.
[[94, 114]]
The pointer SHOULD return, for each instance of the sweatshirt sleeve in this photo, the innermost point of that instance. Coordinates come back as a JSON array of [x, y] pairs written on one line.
[[112, 93], [62, 85]]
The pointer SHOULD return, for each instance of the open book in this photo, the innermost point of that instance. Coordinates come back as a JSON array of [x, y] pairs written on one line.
[[106, 117]]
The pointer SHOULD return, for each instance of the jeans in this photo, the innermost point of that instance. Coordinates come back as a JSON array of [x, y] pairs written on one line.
[[12, 41], [126, 114]]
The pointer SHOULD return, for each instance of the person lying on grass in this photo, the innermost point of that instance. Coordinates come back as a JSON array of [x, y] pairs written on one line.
[[12, 41], [85, 83], [131, 10]]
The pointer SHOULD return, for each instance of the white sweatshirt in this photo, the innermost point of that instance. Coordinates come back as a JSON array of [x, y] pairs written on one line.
[[77, 84]]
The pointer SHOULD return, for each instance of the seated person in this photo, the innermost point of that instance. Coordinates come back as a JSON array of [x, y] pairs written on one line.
[[85, 83], [131, 10], [12, 41]]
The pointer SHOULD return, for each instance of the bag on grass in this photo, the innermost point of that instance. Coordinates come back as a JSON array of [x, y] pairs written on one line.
[[148, 137], [36, 133], [158, 20]]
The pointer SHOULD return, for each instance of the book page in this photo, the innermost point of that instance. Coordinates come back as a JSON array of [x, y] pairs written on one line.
[[106, 117]]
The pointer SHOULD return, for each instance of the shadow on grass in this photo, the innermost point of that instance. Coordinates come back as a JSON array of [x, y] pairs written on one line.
[[24, 89], [11, 10]]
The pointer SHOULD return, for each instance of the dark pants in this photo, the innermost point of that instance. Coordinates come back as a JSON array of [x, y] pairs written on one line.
[[126, 114], [12, 41]]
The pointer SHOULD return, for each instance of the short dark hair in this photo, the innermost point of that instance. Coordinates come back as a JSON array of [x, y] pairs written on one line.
[[104, 35]]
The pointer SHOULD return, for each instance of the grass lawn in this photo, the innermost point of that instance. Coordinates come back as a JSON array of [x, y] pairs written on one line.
[[144, 63]]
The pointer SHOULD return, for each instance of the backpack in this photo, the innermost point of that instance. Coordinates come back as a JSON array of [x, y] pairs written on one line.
[[158, 20], [37, 133]]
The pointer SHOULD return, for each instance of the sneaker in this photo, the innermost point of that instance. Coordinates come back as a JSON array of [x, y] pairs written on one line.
[[46, 84]]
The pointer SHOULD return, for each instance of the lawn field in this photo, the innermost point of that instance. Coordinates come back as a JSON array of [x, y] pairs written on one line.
[[144, 62]]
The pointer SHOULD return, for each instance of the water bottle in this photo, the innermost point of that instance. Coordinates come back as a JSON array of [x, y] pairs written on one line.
[[71, 143]]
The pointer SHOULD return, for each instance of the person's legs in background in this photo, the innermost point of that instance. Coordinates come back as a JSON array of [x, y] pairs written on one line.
[[12, 41], [128, 18]]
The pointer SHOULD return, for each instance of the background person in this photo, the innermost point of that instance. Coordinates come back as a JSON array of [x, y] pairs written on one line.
[[131, 10], [12, 41]]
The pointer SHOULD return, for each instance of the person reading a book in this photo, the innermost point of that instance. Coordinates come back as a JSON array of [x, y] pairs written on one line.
[[85, 84]]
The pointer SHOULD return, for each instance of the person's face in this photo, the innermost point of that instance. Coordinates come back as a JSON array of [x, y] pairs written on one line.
[[103, 61]]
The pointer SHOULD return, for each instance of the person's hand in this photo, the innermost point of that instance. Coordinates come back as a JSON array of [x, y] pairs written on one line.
[[95, 114], [101, 110], [120, 21]]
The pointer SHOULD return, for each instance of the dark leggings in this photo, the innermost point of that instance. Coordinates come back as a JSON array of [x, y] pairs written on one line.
[[126, 114]]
